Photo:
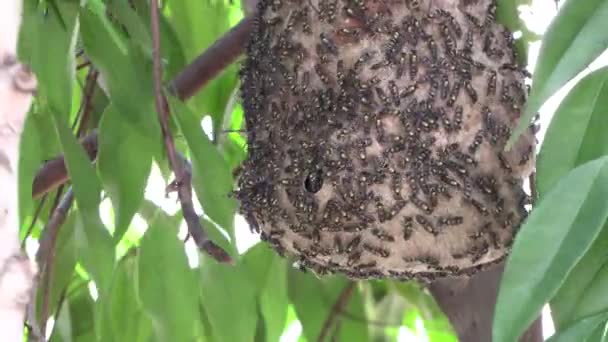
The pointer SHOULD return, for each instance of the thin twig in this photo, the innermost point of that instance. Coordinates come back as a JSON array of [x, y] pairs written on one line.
[[34, 220], [87, 106], [55, 173], [46, 253], [185, 188], [194, 76], [341, 302]]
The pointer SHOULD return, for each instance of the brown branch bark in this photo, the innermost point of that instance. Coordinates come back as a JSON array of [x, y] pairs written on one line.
[[214, 60], [184, 188], [45, 255], [195, 76], [469, 305]]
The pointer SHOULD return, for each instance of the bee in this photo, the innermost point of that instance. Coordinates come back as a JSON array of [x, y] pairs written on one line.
[[451, 220], [322, 74], [458, 117], [353, 244], [382, 235], [413, 65], [454, 93], [426, 224], [480, 207], [407, 224], [432, 46], [379, 65], [392, 87], [473, 20], [365, 57], [491, 86], [468, 43], [378, 251], [504, 163], [525, 157], [468, 87], [370, 264], [433, 89], [353, 258]]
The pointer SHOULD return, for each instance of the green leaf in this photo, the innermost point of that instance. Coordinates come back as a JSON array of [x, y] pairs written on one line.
[[577, 131], [313, 299], [51, 52], [570, 217], [574, 39], [211, 175], [93, 241], [124, 163], [565, 307], [62, 329], [507, 14], [30, 157], [167, 287], [81, 305], [123, 317], [269, 271], [138, 30], [197, 25], [580, 330], [126, 70], [593, 300], [229, 299]]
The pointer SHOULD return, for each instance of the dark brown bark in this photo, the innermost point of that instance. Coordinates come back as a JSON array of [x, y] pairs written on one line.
[[469, 304]]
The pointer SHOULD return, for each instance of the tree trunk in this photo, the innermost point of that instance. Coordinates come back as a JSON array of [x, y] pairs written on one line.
[[16, 87], [469, 304]]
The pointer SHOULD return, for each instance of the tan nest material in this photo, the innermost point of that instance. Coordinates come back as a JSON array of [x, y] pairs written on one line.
[[376, 134]]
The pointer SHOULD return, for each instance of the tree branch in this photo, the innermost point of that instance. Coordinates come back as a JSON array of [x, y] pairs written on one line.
[[45, 255], [214, 60], [335, 311], [184, 189]]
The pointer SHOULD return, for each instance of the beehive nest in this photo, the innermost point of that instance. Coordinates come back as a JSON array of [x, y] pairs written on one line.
[[376, 132]]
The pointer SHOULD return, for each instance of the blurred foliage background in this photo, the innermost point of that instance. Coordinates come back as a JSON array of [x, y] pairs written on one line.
[[121, 267]]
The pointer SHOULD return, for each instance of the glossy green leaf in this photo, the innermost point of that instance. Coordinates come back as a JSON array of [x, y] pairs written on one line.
[[593, 300], [137, 29], [197, 25], [570, 217], [576, 135], [124, 319], [52, 51], [62, 329], [167, 288], [574, 39], [211, 175], [229, 299], [93, 241], [565, 305], [507, 14], [30, 158], [81, 305], [126, 70], [313, 299], [269, 271], [577, 132], [124, 163], [580, 330]]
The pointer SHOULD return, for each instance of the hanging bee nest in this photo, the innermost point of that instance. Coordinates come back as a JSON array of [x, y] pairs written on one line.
[[376, 134]]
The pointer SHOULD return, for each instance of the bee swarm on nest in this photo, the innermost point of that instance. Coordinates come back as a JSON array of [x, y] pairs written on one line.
[[376, 134]]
